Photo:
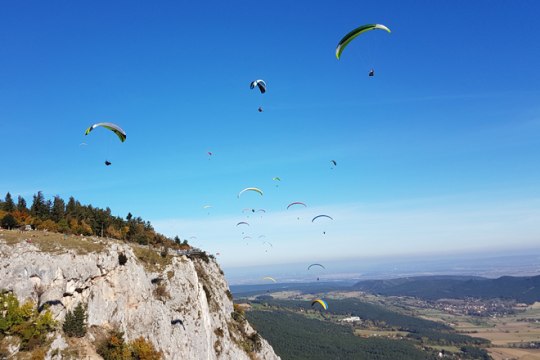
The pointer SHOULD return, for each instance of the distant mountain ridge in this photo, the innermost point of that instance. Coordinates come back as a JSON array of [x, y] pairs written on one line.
[[521, 289]]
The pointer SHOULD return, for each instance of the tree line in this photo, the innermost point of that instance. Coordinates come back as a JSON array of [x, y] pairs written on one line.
[[74, 218]]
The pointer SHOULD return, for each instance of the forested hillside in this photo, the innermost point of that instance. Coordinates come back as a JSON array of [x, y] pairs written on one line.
[[521, 289]]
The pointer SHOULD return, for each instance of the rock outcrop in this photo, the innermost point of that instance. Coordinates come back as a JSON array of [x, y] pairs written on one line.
[[183, 305]]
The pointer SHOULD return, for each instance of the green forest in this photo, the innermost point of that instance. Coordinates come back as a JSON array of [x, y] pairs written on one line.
[[296, 331], [74, 218]]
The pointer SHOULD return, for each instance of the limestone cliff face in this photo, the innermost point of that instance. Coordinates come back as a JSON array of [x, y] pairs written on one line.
[[183, 307]]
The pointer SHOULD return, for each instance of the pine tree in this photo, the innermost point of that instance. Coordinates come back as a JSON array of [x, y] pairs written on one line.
[[39, 208], [8, 204], [58, 209], [75, 322], [21, 204]]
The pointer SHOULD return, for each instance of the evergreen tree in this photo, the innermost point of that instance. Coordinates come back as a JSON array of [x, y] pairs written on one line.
[[21, 204], [8, 222], [39, 208], [75, 322], [58, 209], [8, 204], [177, 240], [71, 207]]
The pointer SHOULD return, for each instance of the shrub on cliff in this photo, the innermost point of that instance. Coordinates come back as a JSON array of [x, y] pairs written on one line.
[[24, 321], [115, 348]]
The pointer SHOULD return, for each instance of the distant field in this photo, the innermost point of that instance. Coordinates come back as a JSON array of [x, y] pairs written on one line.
[[500, 331], [520, 354]]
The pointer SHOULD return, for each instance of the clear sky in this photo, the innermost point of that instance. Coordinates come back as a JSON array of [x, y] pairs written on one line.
[[438, 152]]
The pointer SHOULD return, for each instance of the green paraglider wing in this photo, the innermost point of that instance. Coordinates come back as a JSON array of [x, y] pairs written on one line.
[[113, 127], [353, 34], [269, 278]]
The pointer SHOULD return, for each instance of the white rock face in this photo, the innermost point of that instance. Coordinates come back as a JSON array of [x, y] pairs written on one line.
[[191, 320]]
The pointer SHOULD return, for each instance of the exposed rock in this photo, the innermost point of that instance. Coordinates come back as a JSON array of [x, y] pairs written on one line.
[[187, 314]]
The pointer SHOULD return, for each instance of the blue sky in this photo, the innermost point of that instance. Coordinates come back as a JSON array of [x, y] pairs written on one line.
[[438, 152]]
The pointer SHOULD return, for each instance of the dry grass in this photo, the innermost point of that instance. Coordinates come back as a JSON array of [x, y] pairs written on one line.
[[151, 259], [54, 243]]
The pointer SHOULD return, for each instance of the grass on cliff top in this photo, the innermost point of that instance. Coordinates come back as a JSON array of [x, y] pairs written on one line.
[[152, 259], [54, 243]]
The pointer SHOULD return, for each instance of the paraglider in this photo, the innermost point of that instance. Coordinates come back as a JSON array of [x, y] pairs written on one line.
[[260, 84], [269, 278], [260, 109], [107, 163], [354, 33], [334, 163], [320, 302], [242, 223], [110, 126], [371, 72], [296, 203], [310, 266], [257, 190], [321, 216]]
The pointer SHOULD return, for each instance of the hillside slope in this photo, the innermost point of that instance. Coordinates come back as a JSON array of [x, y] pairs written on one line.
[[521, 289]]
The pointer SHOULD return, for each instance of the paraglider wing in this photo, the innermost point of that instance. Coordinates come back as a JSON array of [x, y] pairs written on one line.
[[296, 203], [251, 189], [269, 278], [333, 162], [242, 223], [354, 33], [260, 84], [276, 179], [310, 266], [320, 216], [321, 302], [113, 127]]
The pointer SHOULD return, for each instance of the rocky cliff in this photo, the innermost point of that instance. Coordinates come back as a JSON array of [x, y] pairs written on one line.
[[180, 303]]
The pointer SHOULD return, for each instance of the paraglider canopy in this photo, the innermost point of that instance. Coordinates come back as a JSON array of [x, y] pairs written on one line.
[[107, 162], [371, 72], [260, 84], [269, 278], [113, 127], [260, 109], [296, 203], [320, 302], [354, 33], [310, 266], [251, 189], [320, 216]]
